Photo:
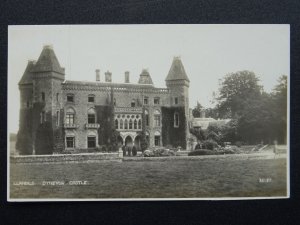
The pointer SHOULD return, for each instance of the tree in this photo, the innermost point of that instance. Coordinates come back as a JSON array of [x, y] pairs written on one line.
[[197, 110], [235, 89], [279, 96], [199, 133]]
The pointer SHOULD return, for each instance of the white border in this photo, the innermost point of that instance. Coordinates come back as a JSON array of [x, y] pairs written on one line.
[[156, 199]]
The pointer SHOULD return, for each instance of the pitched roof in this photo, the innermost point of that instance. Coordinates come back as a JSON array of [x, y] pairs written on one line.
[[177, 71], [48, 61], [145, 77], [27, 75]]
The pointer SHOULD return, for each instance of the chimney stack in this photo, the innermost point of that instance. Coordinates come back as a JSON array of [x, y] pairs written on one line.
[[127, 77], [108, 76], [98, 75]]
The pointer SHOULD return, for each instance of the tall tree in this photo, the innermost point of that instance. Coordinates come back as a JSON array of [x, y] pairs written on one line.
[[235, 89], [197, 110], [279, 95]]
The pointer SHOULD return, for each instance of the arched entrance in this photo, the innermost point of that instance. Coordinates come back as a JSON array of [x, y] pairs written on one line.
[[120, 141], [137, 142], [128, 141]]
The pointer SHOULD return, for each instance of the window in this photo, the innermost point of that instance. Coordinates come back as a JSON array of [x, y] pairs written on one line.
[[156, 101], [57, 96], [176, 119], [116, 124], [146, 100], [27, 104], [70, 98], [156, 118], [133, 103], [70, 142], [91, 98], [146, 118], [91, 116], [176, 100], [115, 102], [43, 117], [126, 124], [121, 124], [157, 140], [43, 96], [130, 124], [91, 142], [57, 118], [140, 124], [70, 115], [147, 137], [135, 124]]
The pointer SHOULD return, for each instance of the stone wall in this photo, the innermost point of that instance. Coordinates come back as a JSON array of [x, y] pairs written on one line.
[[65, 158]]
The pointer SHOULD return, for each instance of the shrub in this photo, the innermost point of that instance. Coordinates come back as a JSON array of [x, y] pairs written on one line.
[[210, 144], [203, 152], [239, 144]]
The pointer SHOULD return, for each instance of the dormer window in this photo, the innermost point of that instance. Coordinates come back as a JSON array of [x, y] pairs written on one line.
[[133, 103], [91, 98], [70, 98]]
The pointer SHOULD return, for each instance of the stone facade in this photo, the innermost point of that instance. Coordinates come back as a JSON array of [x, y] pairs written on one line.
[[70, 106]]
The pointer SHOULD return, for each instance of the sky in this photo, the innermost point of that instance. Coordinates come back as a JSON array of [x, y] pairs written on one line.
[[208, 53]]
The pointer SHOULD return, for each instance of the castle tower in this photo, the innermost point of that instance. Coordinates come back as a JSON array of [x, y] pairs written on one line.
[[40, 89], [178, 84]]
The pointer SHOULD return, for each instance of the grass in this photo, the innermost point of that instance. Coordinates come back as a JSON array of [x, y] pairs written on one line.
[[216, 177]]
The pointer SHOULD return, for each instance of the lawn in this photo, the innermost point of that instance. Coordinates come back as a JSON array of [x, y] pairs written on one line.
[[216, 177]]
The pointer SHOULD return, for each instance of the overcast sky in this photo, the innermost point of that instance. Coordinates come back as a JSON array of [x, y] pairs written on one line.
[[208, 52]]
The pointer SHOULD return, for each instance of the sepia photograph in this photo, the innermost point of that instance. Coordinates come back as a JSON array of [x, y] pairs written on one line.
[[148, 112]]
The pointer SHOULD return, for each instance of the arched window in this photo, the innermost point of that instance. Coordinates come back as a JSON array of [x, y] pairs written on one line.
[[176, 119], [116, 124], [130, 124], [135, 124], [147, 117], [121, 123], [157, 138], [70, 116], [140, 124], [157, 118], [91, 115], [126, 124]]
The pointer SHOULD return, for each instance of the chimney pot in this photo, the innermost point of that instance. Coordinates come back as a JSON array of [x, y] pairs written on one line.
[[127, 77], [107, 76], [97, 75]]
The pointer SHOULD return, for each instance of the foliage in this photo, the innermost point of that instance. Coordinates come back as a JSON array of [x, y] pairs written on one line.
[[235, 89], [198, 133], [256, 116], [210, 144], [44, 139], [203, 152], [171, 134], [24, 143], [197, 110]]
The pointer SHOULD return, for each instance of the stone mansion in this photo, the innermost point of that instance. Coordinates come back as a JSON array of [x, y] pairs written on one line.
[[75, 110]]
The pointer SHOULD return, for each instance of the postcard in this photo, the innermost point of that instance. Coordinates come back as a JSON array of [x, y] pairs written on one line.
[[148, 112]]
